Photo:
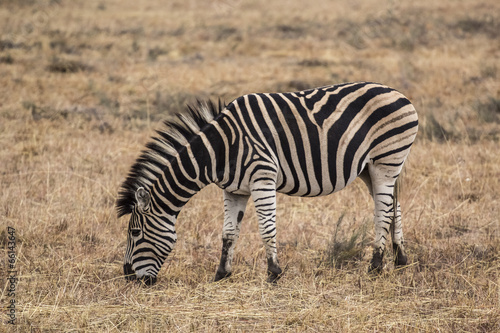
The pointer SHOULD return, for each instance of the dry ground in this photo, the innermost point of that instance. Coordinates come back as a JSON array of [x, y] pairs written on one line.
[[84, 83]]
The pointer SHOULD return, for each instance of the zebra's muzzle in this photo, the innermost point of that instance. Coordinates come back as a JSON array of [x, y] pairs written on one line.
[[129, 272], [130, 275], [148, 280]]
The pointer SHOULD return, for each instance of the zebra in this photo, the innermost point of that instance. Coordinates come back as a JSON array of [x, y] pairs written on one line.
[[307, 143]]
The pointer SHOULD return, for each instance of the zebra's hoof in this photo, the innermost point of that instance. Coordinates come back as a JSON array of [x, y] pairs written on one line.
[[400, 258], [274, 275], [374, 269], [273, 279], [376, 263], [221, 275], [400, 262]]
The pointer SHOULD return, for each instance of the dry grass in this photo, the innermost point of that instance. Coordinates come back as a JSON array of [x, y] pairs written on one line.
[[84, 83]]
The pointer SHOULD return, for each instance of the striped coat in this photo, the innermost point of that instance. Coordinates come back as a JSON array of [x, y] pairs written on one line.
[[308, 143]]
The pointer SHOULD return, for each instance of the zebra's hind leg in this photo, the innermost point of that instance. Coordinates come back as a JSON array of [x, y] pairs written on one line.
[[383, 181], [234, 209], [400, 258]]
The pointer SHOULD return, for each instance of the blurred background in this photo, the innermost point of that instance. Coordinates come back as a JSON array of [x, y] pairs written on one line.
[[141, 59]]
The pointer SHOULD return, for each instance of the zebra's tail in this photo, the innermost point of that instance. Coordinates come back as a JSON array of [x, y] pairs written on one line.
[[395, 194], [397, 190]]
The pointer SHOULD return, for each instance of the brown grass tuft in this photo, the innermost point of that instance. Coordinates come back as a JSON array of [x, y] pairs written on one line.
[[67, 66]]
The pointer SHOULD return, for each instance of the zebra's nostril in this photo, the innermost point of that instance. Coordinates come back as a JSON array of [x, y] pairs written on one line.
[[129, 272]]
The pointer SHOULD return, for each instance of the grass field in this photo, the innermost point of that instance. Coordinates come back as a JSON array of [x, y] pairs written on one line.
[[83, 85]]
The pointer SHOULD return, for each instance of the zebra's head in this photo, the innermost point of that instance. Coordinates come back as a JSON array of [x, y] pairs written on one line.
[[151, 237], [157, 187]]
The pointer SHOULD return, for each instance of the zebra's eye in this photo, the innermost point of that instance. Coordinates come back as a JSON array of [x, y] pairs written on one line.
[[135, 232]]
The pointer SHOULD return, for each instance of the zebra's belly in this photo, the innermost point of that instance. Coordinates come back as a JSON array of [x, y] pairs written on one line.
[[300, 191], [310, 188]]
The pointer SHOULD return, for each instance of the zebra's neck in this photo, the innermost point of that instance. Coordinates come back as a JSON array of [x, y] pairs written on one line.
[[195, 165], [177, 163]]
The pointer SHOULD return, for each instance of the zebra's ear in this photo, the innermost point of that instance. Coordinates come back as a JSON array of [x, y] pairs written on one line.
[[143, 198]]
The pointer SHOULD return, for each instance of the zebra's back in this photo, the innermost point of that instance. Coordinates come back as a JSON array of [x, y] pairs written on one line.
[[321, 139]]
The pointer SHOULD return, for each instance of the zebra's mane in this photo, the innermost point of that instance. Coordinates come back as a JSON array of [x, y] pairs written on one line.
[[150, 164]]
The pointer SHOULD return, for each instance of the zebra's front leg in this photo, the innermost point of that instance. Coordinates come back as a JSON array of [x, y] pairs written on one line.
[[264, 197], [234, 209]]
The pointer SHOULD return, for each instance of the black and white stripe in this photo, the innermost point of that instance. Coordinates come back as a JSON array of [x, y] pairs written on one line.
[[307, 143]]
